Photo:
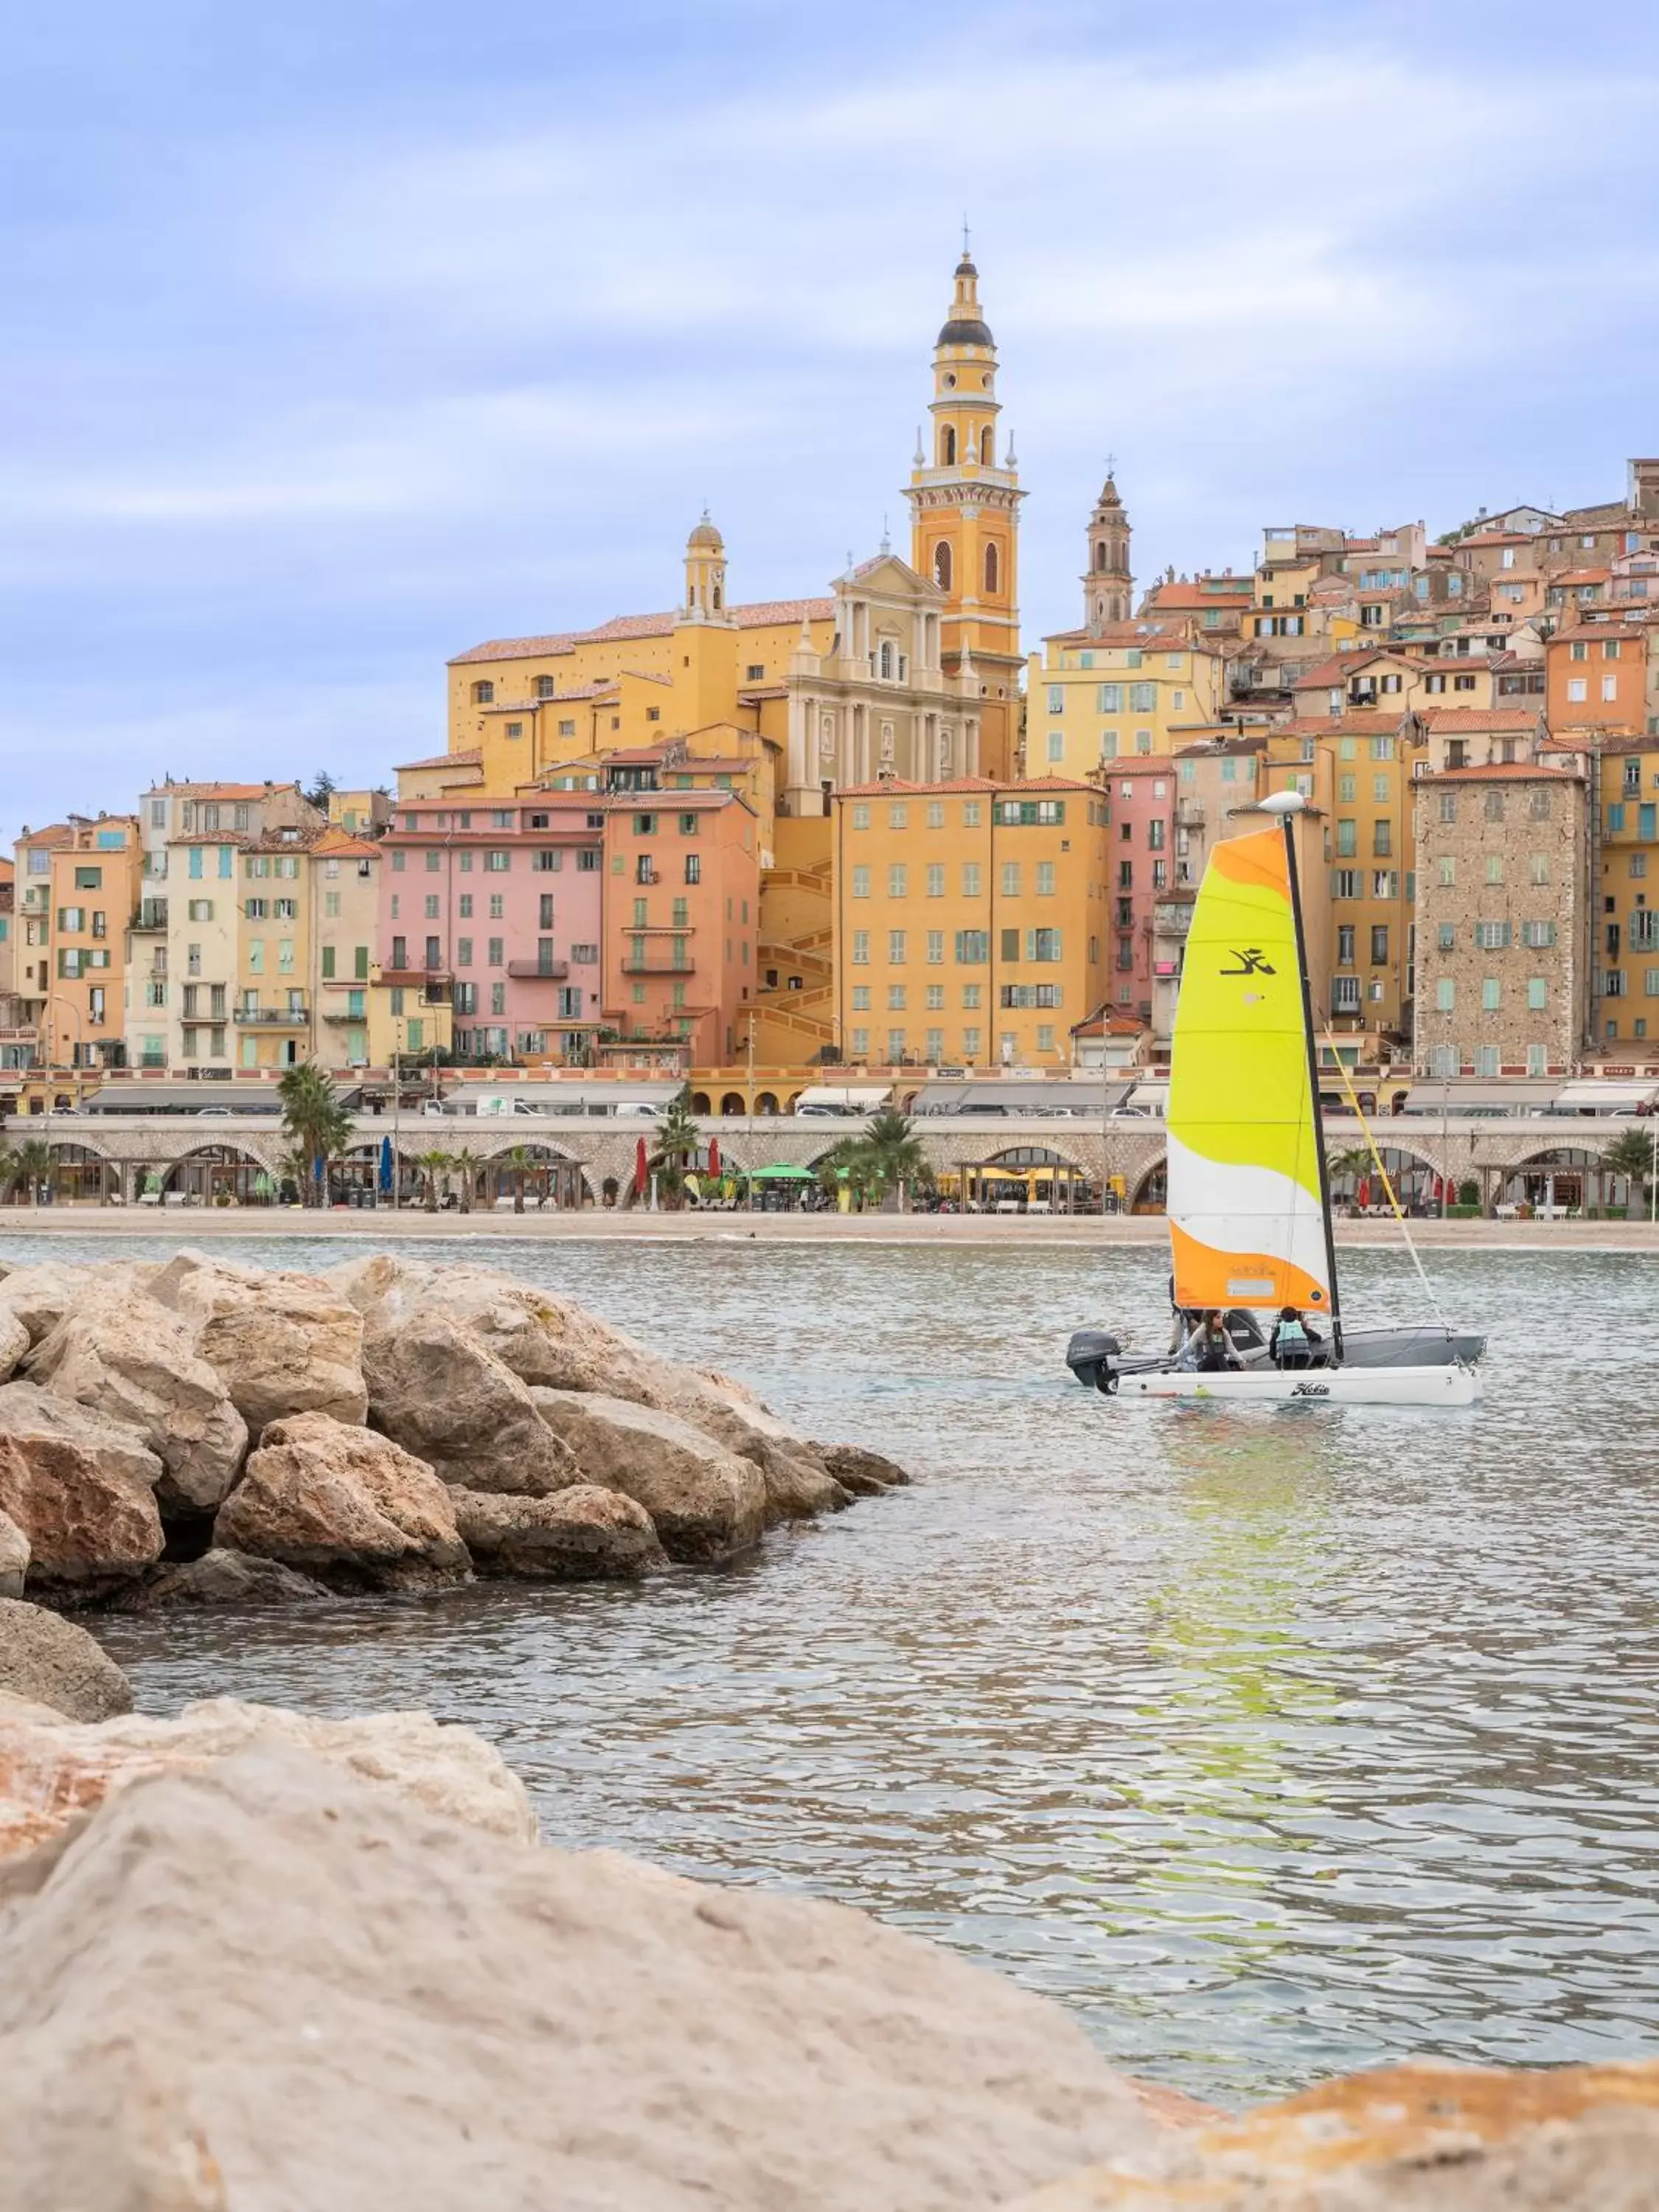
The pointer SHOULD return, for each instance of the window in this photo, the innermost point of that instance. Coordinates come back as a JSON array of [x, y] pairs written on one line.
[[970, 879], [1446, 995], [1379, 945], [860, 998], [1494, 867], [896, 948], [484, 694], [1011, 879], [895, 1001], [432, 907], [1109, 698], [1056, 699], [970, 814], [861, 883], [1042, 945], [1344, 941], [973, 947], [936, 995], [1143, 698], [860, 816], [1345, 994], [1612, 983], [935, 814], [1447, 871], [497, 863], [463, 952], [1345, 790], [970, 998], [1539, 935], [936, 880], [1347, 838], [1577, 689], [1056, 744], [970, 1043], [1537, 994], [1045, 879], [1490, 996], [1345, 882], [860, 948], [935, 948], [898, 880]]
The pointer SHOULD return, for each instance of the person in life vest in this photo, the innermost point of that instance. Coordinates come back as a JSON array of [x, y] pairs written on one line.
[[1294, 1343], [1209, 1348]]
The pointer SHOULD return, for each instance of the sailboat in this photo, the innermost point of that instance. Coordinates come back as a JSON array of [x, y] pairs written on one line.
[[1248, 1196]]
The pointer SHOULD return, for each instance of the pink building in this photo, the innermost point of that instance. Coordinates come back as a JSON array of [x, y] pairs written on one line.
[[502, 905], [1141, 843]]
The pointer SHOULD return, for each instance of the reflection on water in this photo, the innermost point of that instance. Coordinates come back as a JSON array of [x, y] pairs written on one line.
[[1273, 1742]]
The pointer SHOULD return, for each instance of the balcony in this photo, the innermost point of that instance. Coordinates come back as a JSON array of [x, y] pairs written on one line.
[[152, 915], [271, 1018], [538, 971], [344, 1014], [429, 979], [658, 963], [1189, 814]]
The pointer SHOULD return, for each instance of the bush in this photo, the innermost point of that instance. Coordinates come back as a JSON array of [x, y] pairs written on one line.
[[1463, 1213], [1469, 1194]]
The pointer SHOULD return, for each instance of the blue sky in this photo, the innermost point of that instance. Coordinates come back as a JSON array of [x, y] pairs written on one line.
[[340, 336]]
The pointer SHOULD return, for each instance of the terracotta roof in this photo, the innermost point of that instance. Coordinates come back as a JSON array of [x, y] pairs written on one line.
[[1149, 635], [1139, 765], [1497, 538], [1328, 673], [473, 758], [1359, 724], [1511, 772], [238, 837], [1582, 576], [334, 843], [55, 833], [759, 614], [1454, 721], [1191, 597], [973, 786]]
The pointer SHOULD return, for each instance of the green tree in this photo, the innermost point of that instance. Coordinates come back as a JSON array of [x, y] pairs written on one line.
[[519, 1163], [850, 1165], [323, 789], [679, 1138], [316, 1125], [30, 1164], [435, 1169], [894, 1152], [1630, 1155]]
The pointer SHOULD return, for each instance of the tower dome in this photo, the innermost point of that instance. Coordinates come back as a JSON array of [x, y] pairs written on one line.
[[706, 535], [965, 326]]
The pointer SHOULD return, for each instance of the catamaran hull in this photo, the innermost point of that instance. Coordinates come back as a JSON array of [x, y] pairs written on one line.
[[1095, 1357], [1455, 1385]]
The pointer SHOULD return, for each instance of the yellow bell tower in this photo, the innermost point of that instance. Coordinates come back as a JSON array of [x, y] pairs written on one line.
[[964, 520]]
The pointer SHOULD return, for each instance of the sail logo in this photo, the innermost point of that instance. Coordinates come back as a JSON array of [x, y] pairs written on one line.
[[1251, 962], [1311, 1391]]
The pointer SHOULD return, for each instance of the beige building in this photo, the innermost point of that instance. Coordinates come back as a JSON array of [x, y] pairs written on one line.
[[1502, 921]]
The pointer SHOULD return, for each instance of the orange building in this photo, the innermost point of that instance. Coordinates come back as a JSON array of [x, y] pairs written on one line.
[[95, 879], [681, 921], [1596, 678]]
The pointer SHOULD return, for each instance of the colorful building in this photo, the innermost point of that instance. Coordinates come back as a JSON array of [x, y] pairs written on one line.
[[969, 921], [682, 923], [1624, 862], [96, 878]]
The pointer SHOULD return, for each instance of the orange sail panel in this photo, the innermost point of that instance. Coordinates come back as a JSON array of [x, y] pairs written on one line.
[[1247, 1218]]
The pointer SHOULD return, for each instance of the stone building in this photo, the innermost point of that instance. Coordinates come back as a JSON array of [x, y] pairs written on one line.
[[1502, 939]]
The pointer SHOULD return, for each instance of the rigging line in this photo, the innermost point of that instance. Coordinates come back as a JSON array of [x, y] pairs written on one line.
[[1370, 1142]]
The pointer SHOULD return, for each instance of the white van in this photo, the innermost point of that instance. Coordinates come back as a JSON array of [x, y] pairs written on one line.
[[498, 1109], [634, 1109]]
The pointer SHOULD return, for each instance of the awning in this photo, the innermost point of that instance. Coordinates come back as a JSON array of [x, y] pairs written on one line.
[[783, 1171], [1064, 1093], [863, 1099], [1453, 1098], [1602, 1096]]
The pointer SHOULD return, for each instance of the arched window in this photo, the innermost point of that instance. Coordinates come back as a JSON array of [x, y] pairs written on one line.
[[942, 567], [886, 659], [993, 568], [987, 445], [1100, 554], [717, 598], [947, 447], [545, 687], [484, 694]]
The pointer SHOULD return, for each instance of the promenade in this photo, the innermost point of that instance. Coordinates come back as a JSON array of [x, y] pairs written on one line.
[[205, 1224]]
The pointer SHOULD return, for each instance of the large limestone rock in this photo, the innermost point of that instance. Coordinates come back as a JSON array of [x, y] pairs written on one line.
[[52, 1770], [350, 1507], [282, 1343], [81, 1488], [867, 1473], [300, 1991], [135, 1362], [707, 1505], [39, 1296], [581, 1534], [14, 1557], [444, 1396], [1413, 2138], [53, 1661], [13, 1342]]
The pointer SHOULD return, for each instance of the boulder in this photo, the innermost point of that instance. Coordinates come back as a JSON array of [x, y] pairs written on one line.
[[135, 1362], [282, 1343], [13, 1342], [867, 1473], [314, 1993], [14, 1557], [53, 1661], [52, 1769], [81, 1488], [1420, 2137], [351, 1508], [581, 1534], [221, 1577], [707, 1503], [39, 1296], [444, 1396]]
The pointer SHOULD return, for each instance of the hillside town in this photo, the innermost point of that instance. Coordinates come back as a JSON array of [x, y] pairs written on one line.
[[747, 840]]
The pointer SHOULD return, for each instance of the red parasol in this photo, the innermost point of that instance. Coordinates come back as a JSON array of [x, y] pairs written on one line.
[[641, 1170], [714, 1156], [1363, 1195]]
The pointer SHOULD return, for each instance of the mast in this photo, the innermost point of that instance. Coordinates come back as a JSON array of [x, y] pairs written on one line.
[[1286, 813]]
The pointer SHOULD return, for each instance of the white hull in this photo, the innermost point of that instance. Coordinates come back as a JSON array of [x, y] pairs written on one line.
[[1453, 1385]]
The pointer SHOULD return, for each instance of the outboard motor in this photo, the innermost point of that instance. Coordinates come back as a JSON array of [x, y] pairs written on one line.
[[1092, 1356]]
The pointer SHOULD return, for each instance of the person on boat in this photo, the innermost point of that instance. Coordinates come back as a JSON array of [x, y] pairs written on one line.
[[1294, 1342], [1209, 1349]]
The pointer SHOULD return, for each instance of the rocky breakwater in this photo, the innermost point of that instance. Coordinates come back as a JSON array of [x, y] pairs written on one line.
[[191, 1433]]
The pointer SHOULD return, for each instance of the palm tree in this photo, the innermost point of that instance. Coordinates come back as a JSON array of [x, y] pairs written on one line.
[[1352, 1163], [677, 1140], [520, 1164], [1630, 1155], [432, 1165], [850, 1165], [315, 1124], [894, 1151], [8, 1171], [30, 1164]]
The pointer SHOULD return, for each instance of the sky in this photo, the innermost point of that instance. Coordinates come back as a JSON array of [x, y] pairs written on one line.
[[343, 334]]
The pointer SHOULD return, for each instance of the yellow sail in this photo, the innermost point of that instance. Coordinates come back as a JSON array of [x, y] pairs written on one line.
[[1246, 1202]]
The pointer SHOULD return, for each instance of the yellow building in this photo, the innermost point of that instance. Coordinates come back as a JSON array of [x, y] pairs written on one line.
[[969, 921], [1356, 769], [1124, 689], [964, 520], [1625, 1009]]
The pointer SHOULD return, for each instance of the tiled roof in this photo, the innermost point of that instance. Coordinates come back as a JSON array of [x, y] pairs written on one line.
[[1497, 538], [217, 790], [1139, 765], [1456, 722], [973, 786], [1582, 576], [759, 614], [1360, 725], [55, 833], [1504, 772], [238, 837], [1188, 597], [340, 843], [1326, 674], [473, 758]]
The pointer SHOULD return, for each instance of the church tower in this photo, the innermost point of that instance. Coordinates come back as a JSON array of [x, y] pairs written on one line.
[[1108, 586], [964, 520], [705, 575]]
